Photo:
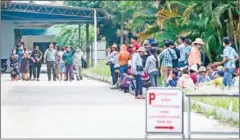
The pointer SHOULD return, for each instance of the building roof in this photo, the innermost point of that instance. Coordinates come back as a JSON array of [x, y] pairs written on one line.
[[31, 13]]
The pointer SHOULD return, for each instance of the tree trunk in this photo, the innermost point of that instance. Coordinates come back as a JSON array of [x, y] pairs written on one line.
[[121, 42], [231, 28]]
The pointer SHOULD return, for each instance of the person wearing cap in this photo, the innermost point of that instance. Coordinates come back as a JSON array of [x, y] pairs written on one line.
[[112, 54], [202, 76], [36, 68], [230, 56], [193, 73], [148, 44], [123, 58], [166, 58], [137, 70], [173, 78], [195, 54]]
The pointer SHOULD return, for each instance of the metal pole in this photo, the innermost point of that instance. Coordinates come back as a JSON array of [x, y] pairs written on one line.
[[87, 44], [189, 117], [0, 30], [95, 37]]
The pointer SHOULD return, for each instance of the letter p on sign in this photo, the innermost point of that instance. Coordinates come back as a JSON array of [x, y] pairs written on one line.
[[152, 97]]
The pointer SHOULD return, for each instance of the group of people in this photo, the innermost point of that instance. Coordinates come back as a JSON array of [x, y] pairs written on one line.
[[180, 64], [61, 63]]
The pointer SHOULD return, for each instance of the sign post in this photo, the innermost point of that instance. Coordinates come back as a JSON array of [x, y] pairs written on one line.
[[164, 111]]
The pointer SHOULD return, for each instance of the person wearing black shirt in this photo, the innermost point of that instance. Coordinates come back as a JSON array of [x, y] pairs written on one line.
[[175, 61]]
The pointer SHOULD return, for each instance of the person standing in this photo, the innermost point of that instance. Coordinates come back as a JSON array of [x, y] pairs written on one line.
[[20, 58], [123, 58], [57, 49], [175, 61], [78, 57], [137, 70], [50, 59], [151, 67], [68, 59], [230, 56], [166, 58], [37, 57], [182, 48], [31, 63], [112, 52], [61, 63], [195, 54], [25, 64]]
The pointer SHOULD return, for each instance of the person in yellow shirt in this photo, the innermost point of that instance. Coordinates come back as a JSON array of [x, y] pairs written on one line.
[[218, 81]]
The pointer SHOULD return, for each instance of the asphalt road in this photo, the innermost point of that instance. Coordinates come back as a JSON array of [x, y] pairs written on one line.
[[78, 109]]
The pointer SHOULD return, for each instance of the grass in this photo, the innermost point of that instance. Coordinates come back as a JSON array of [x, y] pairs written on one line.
[[101, 69], [222, 102]]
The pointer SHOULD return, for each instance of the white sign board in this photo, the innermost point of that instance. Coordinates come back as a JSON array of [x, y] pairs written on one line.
[[164, 110]]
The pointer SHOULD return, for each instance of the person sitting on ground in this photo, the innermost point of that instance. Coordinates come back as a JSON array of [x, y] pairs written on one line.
[[146, 80], [193, 73], [219, 80], [236, 81], [125, 83], [211, 72], [202, 76], [185, 81], [173, 78]]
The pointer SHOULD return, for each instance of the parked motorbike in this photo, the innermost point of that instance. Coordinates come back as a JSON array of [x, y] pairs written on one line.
[[3, 65]]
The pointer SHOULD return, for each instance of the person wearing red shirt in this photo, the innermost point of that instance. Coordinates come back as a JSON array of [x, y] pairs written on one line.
[[193, 73], [135, 44]]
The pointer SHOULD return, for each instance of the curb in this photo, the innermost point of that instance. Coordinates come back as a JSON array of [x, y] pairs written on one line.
[[220, 112], [97, 77]]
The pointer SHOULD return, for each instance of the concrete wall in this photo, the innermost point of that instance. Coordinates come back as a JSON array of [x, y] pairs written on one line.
[[29, 40], [7, 39]]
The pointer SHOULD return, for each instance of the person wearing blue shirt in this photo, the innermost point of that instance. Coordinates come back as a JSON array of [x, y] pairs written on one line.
[[230, 56], [202, 77], [172, 82], [20, 58]]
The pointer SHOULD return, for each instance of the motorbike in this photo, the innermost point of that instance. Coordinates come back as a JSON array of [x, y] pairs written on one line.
[[3, 65]]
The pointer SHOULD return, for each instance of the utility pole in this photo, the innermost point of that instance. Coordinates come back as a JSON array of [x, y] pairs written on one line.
[[95, 38]]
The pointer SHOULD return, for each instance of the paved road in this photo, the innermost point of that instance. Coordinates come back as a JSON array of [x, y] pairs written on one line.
[[85, 109]]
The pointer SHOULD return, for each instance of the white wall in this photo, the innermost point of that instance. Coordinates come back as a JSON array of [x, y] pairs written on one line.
[[29, 40], [7, 39]]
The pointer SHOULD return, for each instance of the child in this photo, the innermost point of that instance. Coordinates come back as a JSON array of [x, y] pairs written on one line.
[[173, 79]]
